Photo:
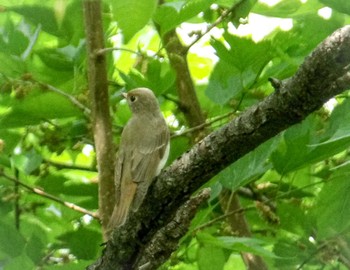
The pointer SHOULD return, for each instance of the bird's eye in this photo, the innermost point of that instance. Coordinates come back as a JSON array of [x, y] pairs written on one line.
[[132, 98]]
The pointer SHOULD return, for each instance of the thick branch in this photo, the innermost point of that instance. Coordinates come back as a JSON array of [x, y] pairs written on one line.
[[166, 240], [324, 74], [101, 120]]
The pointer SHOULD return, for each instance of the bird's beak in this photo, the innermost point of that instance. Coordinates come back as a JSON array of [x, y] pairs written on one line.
[[125, 95]]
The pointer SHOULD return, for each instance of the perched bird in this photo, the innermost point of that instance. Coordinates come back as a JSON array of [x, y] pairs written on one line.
[[143, 151]]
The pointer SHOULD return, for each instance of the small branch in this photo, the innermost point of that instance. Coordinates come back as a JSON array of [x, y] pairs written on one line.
[[17, 197], [107, 50], [233, 212], [68, 166], [49, 196], [72, 99], [201, 126], [219, 20]]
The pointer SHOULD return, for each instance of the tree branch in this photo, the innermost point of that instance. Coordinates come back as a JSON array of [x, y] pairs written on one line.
[[166, 240], [101, 120], [324, 74]]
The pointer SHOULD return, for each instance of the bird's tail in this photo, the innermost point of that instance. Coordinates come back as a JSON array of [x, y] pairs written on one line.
[[122, 207]]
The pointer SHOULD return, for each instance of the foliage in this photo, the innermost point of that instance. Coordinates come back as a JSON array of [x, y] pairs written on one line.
[[300, 178]]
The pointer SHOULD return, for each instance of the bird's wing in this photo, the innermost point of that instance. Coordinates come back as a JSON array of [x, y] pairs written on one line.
[[145, 161]]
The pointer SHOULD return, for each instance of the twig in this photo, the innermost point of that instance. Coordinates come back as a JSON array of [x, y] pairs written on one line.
[[201, 126], [50, 196], [68, 166], [222, 17], [17, 208], [72, 99], [106, 50], [312, 255], [237, 211]]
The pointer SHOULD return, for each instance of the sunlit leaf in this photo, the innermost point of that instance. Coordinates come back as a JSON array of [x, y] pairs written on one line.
[[239, 67], [141, 11], [37, 108]]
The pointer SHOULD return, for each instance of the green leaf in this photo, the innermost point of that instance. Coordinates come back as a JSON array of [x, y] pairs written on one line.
[[72, 28], [225, 83], [283, 9], [239, 67], [42, 15], [11, 66], [339, 124], [171, 14], [132, 15], [61, 59], [84, 243], [240, 244], [35, 247], [211, 257], [11, 139], [15, 40], [37, 107], [242, 9], [293, 219], [248, 167], [158, 76], [12, 243], [28, 162], [342, 6], [293, 149], [53, 184], [333, 207], [20, 262], [290, 253], [302, 145]]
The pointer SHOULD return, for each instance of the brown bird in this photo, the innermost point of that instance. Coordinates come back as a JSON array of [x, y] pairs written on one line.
[[143, 151]]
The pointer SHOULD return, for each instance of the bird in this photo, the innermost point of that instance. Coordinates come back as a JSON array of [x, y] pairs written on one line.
[[143, 152]]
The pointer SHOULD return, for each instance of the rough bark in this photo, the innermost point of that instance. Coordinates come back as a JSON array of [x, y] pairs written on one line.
[[100, 116], [324, 74]]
